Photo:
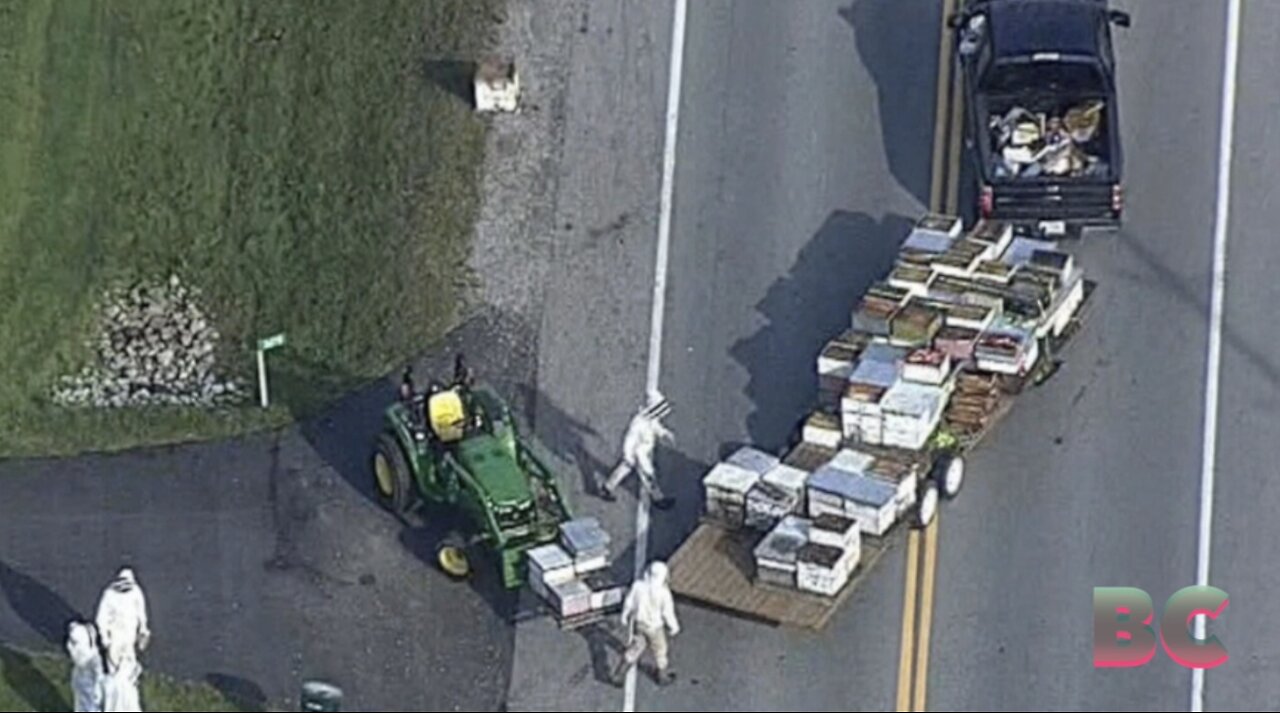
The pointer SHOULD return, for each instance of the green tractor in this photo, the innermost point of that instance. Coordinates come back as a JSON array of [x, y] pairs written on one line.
[[458, 447]]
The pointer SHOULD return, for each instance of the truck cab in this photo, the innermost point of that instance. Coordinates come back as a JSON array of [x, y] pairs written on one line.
[[1042, 122]]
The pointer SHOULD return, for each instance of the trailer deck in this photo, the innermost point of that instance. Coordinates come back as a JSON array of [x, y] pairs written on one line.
[[714, 568]]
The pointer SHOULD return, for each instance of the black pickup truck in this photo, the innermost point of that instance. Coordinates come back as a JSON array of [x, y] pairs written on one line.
[[1041, 118]]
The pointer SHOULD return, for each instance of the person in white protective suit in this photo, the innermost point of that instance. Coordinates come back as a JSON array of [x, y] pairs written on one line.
[[120, 688], [86, 667], [649, 615], [122, 622], [638, 446]]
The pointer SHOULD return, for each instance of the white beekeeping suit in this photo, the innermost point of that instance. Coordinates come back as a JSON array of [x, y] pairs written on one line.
[[122, 621], [649, 613], [120, 689], [638, 446], [86, 667]]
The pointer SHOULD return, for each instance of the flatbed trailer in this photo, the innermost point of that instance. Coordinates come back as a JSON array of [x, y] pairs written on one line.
[[714, 567]]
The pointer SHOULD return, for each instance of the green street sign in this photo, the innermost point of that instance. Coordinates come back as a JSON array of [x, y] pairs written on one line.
[[271, 342]]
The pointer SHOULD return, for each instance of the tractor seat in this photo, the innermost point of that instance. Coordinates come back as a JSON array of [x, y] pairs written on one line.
[[447, 415]]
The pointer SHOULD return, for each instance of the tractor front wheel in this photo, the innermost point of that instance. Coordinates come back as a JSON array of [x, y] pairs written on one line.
[[391, 475], [451, 555]]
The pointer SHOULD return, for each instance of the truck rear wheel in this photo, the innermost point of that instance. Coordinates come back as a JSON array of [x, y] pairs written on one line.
[[391, 479]]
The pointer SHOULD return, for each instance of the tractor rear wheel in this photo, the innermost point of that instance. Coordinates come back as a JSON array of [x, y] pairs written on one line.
[[391, 475]]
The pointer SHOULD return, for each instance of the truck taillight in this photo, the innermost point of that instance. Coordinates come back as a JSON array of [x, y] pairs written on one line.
[[987, 201], [1117, 198]]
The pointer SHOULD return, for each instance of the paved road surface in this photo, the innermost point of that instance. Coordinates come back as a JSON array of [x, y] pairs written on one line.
[[1248, 494], [804, 155], [264, 561]]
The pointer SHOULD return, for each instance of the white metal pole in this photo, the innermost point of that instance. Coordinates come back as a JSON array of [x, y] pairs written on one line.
[[262, 377]]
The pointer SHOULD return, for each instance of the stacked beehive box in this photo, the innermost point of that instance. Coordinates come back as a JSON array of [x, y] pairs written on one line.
[[571, 575], [726, 487], [870, 501], [974, 404], [777, 555]]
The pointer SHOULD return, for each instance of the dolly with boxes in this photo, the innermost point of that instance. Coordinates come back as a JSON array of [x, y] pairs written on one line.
[[572, 577]]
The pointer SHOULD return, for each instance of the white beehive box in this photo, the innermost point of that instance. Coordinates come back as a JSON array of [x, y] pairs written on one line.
[[870, 501], [835, 531], [549, 565], [911, 413], [822, 429], [822, 570], [497, 86], [767, 504], [790, 479], [726, 487], [775, 556], [927, 366], [571, 598]]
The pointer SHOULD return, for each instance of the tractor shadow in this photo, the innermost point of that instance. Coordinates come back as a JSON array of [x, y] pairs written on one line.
[[806, 308], [898, 44], [423, 539]]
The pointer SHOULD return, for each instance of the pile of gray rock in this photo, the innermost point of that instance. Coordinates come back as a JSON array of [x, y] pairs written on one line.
[[153, 345]]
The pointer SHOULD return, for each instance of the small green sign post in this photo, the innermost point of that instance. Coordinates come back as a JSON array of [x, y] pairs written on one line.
[[272, 342]]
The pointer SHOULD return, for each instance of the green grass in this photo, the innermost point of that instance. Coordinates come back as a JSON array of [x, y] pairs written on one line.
[[41, 683], [290, 158]]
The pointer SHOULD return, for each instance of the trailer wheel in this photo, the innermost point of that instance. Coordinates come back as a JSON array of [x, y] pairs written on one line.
[[391, 479], [948, 472], [927, 508]]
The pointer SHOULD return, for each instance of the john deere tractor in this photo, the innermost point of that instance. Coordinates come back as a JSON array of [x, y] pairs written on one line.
[[457, 447]]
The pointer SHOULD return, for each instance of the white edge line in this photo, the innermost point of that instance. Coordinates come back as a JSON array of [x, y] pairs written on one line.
[[1214, 366], [660, 283]]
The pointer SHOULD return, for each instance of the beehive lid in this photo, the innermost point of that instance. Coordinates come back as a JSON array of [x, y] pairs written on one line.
[[849, 486], [730, 477], [754, 460], [787, 477]]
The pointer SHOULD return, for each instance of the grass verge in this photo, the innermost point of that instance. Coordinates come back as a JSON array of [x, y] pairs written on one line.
[[294, 160], [41, 683]]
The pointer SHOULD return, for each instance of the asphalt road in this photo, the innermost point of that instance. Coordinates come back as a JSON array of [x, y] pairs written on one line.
[[804, 155], [1248, 494], [264, 560]]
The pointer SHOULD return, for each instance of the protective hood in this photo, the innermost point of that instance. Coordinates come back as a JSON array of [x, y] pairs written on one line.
[[657, 574]]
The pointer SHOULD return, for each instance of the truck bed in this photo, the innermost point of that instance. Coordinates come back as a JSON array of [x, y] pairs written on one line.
[[714, 567]]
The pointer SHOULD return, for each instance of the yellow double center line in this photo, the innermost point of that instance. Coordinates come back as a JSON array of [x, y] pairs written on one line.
[[922, 546]]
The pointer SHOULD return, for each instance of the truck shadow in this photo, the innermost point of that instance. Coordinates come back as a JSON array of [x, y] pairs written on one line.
[[805, 309], [898, 44]]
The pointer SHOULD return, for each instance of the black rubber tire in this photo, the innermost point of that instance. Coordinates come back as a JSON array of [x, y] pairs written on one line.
[[400, 499], [941, 468], [456, 542], [924, 515]]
